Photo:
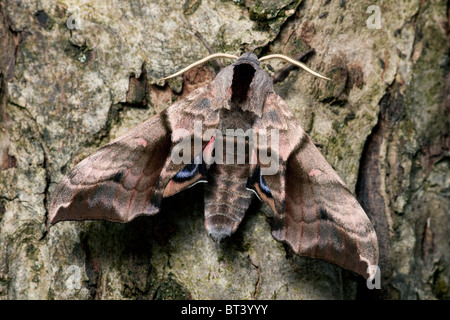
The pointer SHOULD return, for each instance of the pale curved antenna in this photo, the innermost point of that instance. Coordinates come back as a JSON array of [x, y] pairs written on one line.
[[294, 62], [212, 56]]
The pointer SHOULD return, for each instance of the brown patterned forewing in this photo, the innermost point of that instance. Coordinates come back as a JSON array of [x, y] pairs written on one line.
[[127, 177], [315, 213]]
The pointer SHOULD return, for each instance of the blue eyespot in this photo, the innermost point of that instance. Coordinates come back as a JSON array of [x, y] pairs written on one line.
[[187, 172], [191, 170], [263, 186]]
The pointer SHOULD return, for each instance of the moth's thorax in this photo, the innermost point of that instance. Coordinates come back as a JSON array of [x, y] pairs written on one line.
[[243, 85], [235, 119]]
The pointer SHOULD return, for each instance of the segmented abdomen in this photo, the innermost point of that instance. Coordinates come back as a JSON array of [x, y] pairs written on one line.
[[226, 198]]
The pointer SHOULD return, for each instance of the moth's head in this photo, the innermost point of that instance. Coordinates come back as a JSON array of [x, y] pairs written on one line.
[[243, 84], [249, 57]]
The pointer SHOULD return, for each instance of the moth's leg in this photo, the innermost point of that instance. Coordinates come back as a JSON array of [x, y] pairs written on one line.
[[217, 64], [282, 74]]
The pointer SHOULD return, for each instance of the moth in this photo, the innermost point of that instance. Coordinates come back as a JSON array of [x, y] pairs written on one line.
[[314, 213]]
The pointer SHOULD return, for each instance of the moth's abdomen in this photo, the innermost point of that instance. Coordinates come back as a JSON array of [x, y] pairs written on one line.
[[226, 199]]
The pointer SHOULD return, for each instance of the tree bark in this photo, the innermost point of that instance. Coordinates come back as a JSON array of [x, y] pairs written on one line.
[[76, 74]]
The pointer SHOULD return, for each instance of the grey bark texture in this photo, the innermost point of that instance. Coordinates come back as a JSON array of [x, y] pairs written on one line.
[[76, 74]]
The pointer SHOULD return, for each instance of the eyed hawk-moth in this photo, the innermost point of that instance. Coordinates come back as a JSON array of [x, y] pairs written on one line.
[[313, 211]]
